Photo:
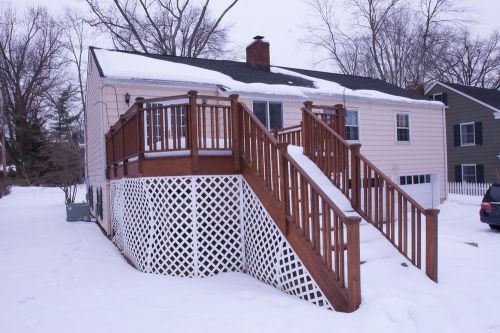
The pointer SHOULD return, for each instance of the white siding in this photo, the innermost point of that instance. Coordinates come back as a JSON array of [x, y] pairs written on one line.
[[425, 152]]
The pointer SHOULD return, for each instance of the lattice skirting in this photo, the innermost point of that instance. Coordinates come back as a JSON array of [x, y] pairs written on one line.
[[197, 226]]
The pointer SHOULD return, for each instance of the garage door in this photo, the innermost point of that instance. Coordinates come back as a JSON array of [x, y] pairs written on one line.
[[420, 187]]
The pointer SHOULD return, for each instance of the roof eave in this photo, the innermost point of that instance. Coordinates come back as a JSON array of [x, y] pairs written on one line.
[[463, 94]]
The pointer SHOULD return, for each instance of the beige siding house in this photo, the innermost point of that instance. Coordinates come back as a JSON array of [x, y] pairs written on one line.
[[402, 134]]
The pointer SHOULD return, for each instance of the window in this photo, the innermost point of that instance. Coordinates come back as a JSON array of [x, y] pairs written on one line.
[[352, 125], [441, 97], [402, 127], [415, 179], [269, 113], [467, 134], [469, 173]]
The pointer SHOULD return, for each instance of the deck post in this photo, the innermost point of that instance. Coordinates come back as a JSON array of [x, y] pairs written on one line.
[[235, 113], [306, 135], [139, 104], [193, 126], [431, 243], [353, 263], [283, 184], [355, 176], [341, 120], [124, 162]]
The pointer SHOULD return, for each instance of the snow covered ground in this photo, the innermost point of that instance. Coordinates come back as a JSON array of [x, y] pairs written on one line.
[[68, 277]]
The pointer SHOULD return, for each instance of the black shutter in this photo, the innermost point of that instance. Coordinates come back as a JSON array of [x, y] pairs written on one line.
[[456, 135], [478, 130], [480, 173], [458, 173], [444, 98]]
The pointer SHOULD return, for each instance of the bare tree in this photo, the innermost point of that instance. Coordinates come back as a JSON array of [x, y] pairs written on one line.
[[30, 68], [471, 61], [170, 27], [76, 36], [400, 41], [343, 50], [63, 167], [3, 139], [374, 15]]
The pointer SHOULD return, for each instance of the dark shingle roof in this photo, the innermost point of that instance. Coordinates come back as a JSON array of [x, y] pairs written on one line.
[[242, 72], [359, 82], [488, 96]]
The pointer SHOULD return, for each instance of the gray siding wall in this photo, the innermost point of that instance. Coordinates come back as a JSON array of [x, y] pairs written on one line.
[[462, 110]]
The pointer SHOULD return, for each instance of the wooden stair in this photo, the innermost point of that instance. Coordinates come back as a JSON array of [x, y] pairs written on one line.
[[322, 236], [374, 195]]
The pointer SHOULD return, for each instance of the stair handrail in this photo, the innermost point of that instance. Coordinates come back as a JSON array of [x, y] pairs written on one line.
[[285, 188], [354, 170]]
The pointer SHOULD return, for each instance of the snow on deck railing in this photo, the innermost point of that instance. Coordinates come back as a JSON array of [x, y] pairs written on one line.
[[468, 188]]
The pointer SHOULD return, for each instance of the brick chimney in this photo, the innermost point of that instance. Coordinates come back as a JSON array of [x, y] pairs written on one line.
[[258, 53]]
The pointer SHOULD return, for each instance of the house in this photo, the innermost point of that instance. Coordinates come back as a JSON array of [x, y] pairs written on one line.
[[473, 131], [186, 176]]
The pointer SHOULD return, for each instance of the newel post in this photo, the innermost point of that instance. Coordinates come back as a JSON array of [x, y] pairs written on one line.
[[341, 123], [355, 175], [122, 123], [235, 112], [193, 128], [353, 263], [431, 243], [306, 128], [283, 183], [141, 138]]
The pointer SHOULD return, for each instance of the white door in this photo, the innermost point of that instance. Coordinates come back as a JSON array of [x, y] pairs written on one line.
[[422, 187]]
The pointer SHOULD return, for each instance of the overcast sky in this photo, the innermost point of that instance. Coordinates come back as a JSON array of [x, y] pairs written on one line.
[[282, 23]]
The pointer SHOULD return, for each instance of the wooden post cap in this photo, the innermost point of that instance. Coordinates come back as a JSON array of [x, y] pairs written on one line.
[[308, 104]]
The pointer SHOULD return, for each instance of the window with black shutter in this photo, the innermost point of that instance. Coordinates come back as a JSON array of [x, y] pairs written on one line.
[[469, 173], [467, 134]]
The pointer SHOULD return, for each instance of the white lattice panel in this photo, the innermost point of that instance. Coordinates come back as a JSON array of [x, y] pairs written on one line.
[[180, 226], [270, 258], [117, 201], [218, 224], [201, 226]]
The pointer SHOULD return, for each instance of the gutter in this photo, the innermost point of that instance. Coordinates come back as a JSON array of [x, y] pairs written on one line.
[[272, 96]]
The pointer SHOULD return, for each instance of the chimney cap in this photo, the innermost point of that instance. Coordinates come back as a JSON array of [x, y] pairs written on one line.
[[258, 37]]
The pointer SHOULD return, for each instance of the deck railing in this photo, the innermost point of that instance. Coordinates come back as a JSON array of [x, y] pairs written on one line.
[[333, 236], [291, 135], [189, 124], [372, 193]]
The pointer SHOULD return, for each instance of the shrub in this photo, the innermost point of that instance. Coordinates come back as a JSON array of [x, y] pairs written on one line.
[[4, 188]]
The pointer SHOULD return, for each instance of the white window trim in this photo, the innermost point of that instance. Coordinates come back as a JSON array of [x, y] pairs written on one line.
[[474, 135], [396, 128], [267, 111], [359, 127], [469, 165], [437, 94]]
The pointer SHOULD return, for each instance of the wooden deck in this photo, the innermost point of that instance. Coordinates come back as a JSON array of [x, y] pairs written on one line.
[[208, 135]]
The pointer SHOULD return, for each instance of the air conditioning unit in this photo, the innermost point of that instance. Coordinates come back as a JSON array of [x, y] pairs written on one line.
[[78, 212]]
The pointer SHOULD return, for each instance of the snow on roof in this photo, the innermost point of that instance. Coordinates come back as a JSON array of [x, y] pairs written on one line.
[[123, 65]]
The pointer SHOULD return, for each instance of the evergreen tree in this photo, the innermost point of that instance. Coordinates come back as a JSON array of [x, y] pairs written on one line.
[[64, 123]]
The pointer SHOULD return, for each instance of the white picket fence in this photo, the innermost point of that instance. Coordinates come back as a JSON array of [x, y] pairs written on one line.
[[468, 188]]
